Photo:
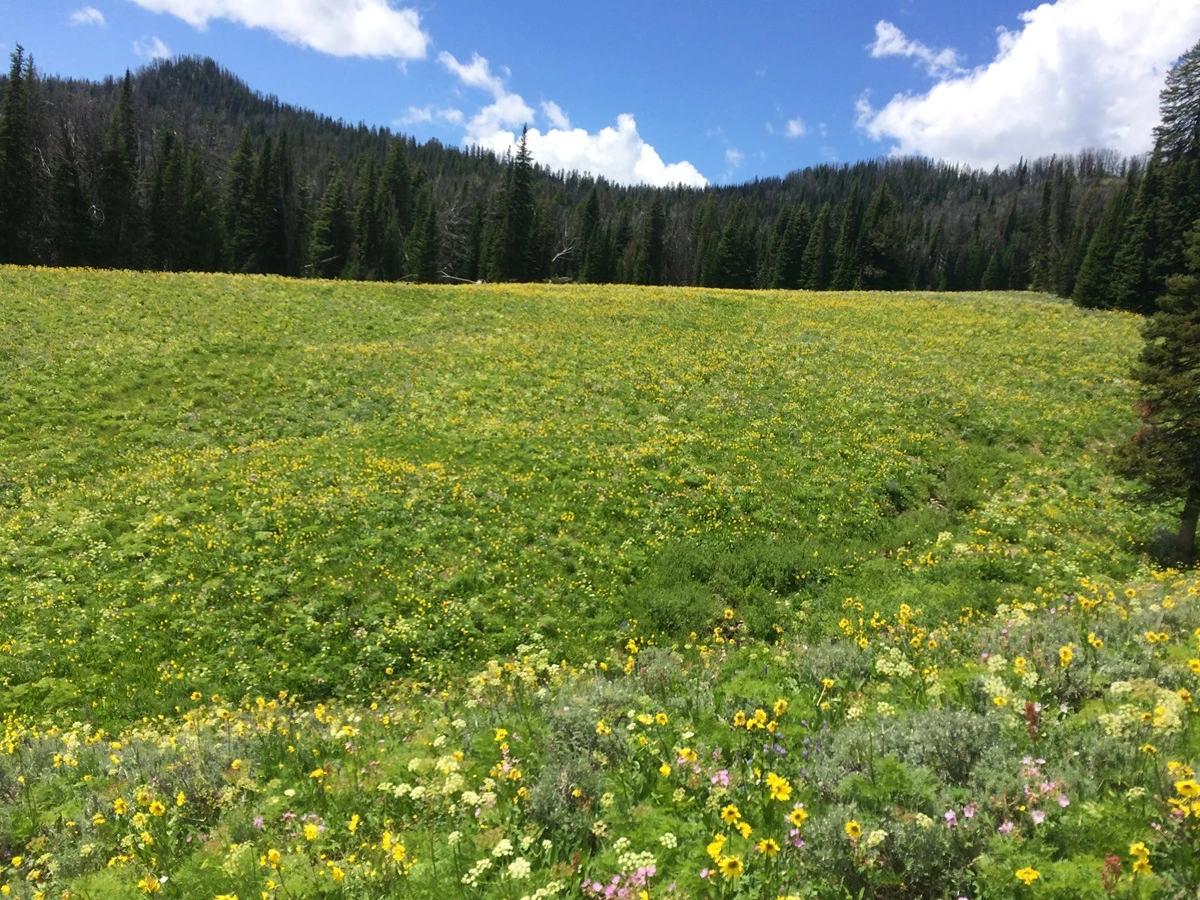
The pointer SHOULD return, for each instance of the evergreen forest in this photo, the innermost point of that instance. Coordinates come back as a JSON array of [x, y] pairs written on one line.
[[182, 167]]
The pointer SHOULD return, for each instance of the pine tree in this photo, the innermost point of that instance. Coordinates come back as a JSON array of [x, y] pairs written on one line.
[[590, 249], [271, 247], [1044, 262], [425, 239], [166, 205], [71, 230], [818, 254], [368, 226], [1135, 285], [734, 262], [17, 194], [333, 231], [649, 265], [516, 257], [201, 240], [397, 183], [846, 252], [1093, 284], [1164, 454], [1177, 136], [122, 226], [789, 254], [241, 213], [882, 265]]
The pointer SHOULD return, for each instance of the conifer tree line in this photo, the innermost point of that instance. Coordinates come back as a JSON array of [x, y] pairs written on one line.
[[182, 167]]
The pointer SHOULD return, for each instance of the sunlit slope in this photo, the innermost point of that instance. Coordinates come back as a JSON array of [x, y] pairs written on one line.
[[241, 484]]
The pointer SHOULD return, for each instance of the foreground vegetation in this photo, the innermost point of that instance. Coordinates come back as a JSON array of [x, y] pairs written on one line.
[[316, 589]]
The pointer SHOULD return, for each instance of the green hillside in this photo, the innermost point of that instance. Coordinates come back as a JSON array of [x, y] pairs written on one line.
[[351, 555]]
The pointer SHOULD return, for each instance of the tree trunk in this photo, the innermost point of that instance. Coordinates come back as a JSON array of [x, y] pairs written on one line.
[[1187, 523]]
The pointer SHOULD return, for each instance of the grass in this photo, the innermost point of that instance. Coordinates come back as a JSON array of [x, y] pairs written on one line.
[[254, 529]]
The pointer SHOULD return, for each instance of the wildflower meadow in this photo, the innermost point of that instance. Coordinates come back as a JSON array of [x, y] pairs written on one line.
[[335, 590]]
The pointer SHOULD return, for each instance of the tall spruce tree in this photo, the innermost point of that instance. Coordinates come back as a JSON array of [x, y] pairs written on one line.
[[788, 268], [71, 223], [590, 250], [166, 205], [649, 264], [122, 224], [1164, 454], [515, 261], [818, 254], [882, 263], [201, 242], [1093, 284], [425, 239], [242, 216], [17, 192], [846, 251], [333, 230]]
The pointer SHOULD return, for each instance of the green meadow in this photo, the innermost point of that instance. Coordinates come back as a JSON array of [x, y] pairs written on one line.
[[327, 589]]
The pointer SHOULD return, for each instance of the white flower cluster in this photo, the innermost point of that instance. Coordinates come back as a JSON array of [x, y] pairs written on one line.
[[472, 877], [893, 663], [631, 862]]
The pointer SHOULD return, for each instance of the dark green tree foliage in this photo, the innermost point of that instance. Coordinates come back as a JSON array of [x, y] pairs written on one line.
[[425, 240], [271, 248], [291, 219], [1164, 454], [882, 263], [649, 264], [397, 185], [71, 220], [333, 230], [201, 242], [1093, 285], [818, 254], [166, 206], [734, 263], [788, 269], [846, 252], [1177, 136], [242, 216], [960, 228], [17, 192], [515, 261], [591, 250], [122, 229], [1168, 199]]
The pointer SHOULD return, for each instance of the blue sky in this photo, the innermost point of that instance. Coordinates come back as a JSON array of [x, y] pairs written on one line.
[[666, 92]]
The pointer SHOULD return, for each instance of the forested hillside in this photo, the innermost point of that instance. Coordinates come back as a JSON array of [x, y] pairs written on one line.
[[182, 166]]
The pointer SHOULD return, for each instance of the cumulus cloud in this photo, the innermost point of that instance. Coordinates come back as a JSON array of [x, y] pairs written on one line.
[[891, 41], [151, 48], [796, 128], [619, 154], [89, 15], [372, 28], [734, 157], [1077, 74]]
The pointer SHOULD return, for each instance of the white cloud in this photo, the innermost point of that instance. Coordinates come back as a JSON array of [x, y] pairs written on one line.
[[418, 115], [371, 28], [796, 128], [1079, 74], [555, 116], [734, 157], [151, 48], [891, 41], [89, 15], [477, 73], [618, 154]]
